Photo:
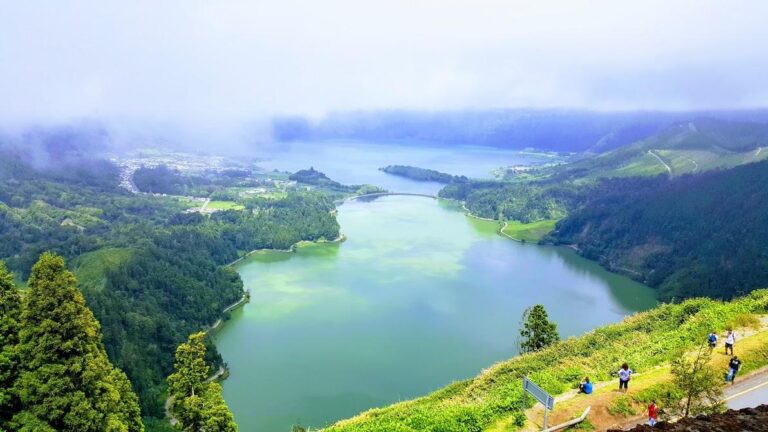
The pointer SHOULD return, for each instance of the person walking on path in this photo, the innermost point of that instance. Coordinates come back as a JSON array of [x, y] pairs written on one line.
[[712, 339], [625, 374], [730, 340], [653, 414], [733, 369]]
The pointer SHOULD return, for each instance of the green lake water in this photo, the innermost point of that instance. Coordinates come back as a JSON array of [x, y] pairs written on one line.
[[419, 295]]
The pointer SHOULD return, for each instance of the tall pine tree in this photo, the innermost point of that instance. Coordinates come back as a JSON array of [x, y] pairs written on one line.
[[66, 382], [537, 330], [10, 315], [197, 402]]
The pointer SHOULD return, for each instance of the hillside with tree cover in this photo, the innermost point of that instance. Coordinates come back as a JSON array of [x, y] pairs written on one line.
[[54, 370], [325, 184], [151, 273], [422, 174], [696, 235]]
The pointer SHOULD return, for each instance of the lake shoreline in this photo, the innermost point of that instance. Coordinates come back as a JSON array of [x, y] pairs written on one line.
[[313, 301], [223, 372], [340, 239]]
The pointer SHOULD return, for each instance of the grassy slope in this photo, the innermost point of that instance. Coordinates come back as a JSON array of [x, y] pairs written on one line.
[[90, 268], [752, 349], [529, 232], [682, 161], [687, 147], [645, 340], [225, 205]]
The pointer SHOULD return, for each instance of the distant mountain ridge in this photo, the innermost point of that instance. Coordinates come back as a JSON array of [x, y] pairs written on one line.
[[552, 130], [685, 147]]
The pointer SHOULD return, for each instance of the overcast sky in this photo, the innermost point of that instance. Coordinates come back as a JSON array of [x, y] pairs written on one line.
[[209, 61]]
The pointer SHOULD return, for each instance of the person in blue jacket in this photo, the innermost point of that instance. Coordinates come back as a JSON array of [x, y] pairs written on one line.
[[585, 386]]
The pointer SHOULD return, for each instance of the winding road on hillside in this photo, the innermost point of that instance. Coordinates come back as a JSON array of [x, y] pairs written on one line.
[[205, 205], [669, 169]]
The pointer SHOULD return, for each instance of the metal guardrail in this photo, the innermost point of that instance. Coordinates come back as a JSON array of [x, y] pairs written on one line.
[[577, 420]]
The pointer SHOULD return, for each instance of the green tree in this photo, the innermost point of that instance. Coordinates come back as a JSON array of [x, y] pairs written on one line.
[[10, 314], [699, 383], [537, 330], [66, 382], [197, 402]]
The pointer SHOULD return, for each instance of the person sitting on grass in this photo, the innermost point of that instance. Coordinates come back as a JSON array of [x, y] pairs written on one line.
[[625, 374], [585, 386]]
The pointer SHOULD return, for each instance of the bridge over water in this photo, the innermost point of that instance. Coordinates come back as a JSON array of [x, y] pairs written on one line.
[[378, 194]]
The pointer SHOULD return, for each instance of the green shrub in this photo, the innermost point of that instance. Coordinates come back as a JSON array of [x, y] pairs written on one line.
[[572, 375], [586, 425], [662, 393], [746, 320], [622, 406]]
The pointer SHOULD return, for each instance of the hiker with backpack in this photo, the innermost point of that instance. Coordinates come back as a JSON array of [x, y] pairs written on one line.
[[712, 339]]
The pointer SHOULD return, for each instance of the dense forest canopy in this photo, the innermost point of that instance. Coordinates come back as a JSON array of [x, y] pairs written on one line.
[[335, 189], [314, 177], [693, 235], [690, 230], [525, 202], [54, 370], [696, 235], [165, 180], [422, 174], [151, 273]]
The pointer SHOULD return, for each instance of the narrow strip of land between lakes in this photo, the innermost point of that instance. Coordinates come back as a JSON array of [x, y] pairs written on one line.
[[377, 194]]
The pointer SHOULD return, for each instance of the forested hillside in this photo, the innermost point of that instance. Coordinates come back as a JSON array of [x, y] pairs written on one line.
[[422, 174], [329, 186], [521, 201], [551, 192], [151, 273], [650, 210], [54, 372], [165, 180], [696, 235]]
